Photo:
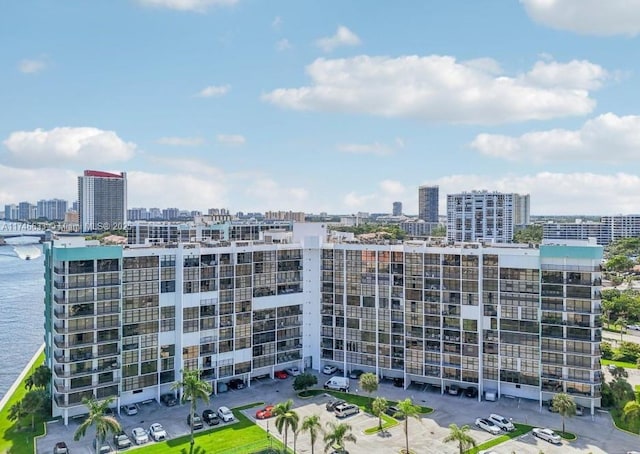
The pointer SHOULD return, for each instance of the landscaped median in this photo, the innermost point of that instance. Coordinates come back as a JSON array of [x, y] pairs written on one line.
[[364, 402], [520, 430]]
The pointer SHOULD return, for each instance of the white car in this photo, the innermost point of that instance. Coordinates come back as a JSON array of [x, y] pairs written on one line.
[[547, 435], [501, 422], [293, 371], [131, 409], [487, 425], [329, 370], [225, 414], [157, 432], [139, 436]]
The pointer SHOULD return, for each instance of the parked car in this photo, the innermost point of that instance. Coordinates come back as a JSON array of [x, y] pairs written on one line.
[[293, 371], [131, 409], [222, 387], [487, 425], [196, 423], [225, 414], [344, 410], [236, 383], [550, 407], [121, 441], [139, 436], [355, 373], [398, 382], [281, 374], [169, 400], [264, 413], [612, 367], [454, 390], [547, 435], [501, 422], [105, 448], [471, 391], [60, 448], [332, 404], [392, 411], [329, 370], [579, 410], [157, 432], [210, 417]]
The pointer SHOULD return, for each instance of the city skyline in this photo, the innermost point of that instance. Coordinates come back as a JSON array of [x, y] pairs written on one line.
[[305, 107]]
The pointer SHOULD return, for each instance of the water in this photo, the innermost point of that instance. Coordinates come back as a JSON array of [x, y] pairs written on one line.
[[21, 306]]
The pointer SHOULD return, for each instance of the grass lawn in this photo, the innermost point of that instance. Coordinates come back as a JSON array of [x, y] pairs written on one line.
[[521, 429], [12, 439], [606, 362], [632, 425], [242, 437]]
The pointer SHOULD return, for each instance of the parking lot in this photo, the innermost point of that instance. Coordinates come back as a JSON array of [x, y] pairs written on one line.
[[596, 434]]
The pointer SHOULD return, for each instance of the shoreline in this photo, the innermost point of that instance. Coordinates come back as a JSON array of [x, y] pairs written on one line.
[[21, 377]]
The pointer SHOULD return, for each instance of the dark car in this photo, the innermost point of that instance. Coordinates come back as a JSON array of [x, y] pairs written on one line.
[[236, 383], [169, 400], [392, 411], [332, 404], [197, 422], [471, 391], [121, 441], [398, 382], [355, 373], [60, 448], [550, 407], [210, 417]]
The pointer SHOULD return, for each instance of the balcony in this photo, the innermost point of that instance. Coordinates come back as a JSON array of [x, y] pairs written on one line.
[[66, 390], [60, 342], [61, 329], [62, 373]]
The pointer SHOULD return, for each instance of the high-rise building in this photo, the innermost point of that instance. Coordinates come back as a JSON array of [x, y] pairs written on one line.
[[26, 211], [52, 210], [516, 321], [484, 216], [428, 200], [397, 209], [102, 199], [11, 212]]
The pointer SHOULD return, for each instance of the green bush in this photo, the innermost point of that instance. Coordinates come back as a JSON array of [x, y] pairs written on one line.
[[606, 350], [628, 352]]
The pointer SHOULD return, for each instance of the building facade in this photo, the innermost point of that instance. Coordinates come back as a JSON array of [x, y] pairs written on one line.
[[397, 209], [123, 322], [485, 216], [52, 210], [609, 229], [428, 203], [102, 201]]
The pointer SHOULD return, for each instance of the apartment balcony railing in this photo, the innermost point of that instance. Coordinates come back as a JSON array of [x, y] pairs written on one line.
[[61, 329], [67, 389], [64, 373]]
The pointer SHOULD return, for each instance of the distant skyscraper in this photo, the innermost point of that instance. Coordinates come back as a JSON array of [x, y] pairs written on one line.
[[52, 210], [102, 198], [428, 199], [397, 209]]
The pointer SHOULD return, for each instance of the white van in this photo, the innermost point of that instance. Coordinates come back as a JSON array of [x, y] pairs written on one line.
[[337, 383], [344, 410]]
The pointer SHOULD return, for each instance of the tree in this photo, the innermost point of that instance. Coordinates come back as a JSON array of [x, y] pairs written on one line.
[[312, 425], [621, 391], [564, 404], [304, 381], [33, 403], [459, 435], [528, 234], [369, 382], [286, 418], [17, 412], [40, 378], [439, 231], [631, 410], [193, 388], [406, 410], [619, 263], [336, 435], [96, 417], [621, 322], [379, 406]]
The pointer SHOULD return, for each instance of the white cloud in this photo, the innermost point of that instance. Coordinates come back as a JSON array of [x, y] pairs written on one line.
[[198, 6], [589, 17], [380, 201], [283, 45], [606, 138], [440, 89], [181, 141], [214, 91], [231, 139], [375, 148], [62, 146], [276, 23], [392, 188], [268, 192], [342, 37], [20, 184], [32, 66]]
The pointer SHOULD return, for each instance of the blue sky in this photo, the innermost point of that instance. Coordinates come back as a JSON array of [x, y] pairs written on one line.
[[335, 105]]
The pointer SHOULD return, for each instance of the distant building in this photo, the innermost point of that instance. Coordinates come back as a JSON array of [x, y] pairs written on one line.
[[484, 216], [137, 214], [428, 199], [11, 212], [397, 209], [26, 211], [102, 199], [418, 228], [169, 214], [296, 216], [610, 228], [52, 210]]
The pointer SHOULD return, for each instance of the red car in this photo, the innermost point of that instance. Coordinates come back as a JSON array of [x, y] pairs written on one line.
[[281, 374], [266, 412]]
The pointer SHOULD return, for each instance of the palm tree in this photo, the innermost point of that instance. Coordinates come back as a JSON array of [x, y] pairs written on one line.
[[17, 412], [96, 417], [337, 435], [631, 410], [312, 425], [621, 323], [460, 436], [286, 419], [407, 410], [379, 406], [193, 388], [33, 403], [40, 378], [565, 405], [369, 382]]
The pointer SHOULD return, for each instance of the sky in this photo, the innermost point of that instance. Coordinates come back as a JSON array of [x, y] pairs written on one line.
[[337, 106]]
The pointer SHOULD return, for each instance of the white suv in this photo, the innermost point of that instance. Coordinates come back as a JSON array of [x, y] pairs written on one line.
[[225, 414], [501, 422]]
